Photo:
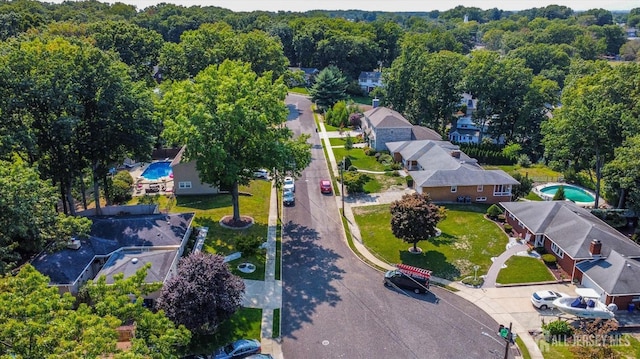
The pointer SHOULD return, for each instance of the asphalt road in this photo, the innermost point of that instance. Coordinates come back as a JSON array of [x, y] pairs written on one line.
[[335, 306]]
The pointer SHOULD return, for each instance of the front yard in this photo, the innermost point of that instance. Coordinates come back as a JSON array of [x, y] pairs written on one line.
[[467, 239], [524, 270]]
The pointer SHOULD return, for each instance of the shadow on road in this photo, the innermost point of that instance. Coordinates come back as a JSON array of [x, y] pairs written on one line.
[[308, 272]]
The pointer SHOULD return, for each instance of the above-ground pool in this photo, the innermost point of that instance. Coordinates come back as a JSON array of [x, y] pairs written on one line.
[[157, 170], [579, 195]]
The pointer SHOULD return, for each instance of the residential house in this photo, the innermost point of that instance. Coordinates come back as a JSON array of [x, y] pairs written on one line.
[[186, 178], [118, 244], [309, 74], [464, 129], [382, 125], [587, 249], [369, 80], [447, 174]]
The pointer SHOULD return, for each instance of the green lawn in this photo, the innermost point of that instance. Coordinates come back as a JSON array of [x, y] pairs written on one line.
[[359, 159], [340, 141], [330, 128], [301, 90], [245, 323], [538, 172], [524, 270], [382, 182], [467, 239], [362, 100]]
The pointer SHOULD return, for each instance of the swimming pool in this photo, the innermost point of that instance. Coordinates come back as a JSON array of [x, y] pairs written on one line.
[[157, 170], [579, 195]]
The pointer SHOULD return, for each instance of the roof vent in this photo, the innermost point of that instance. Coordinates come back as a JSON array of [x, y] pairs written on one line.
[[134, 260], [74, 244]]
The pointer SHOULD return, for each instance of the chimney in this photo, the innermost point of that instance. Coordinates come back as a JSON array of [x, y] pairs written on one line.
[[375, 102], [455, 153], [595, 247]]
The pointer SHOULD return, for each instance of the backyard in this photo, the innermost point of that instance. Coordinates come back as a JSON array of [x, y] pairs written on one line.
[[467, 239]]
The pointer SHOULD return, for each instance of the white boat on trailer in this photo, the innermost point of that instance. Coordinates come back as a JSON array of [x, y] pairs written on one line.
[[586, 305]]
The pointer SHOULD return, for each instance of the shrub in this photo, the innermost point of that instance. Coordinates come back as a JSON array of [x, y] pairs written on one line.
[[248, 245], [558, 328], [524, 161], [354, 181], [347, 163], [120, 191], [409, 180], [396, 166], [508, 228], [549, 259], [385, 159], [353, 168], [494, 211], [377, 155], [369, 151], [124, 176], [541, 250], [502, 218]]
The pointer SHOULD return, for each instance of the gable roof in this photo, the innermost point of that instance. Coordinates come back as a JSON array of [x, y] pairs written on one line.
[[424, 133], [615, 274], [370, 76], [383, 117], [571, 227], [440, 168], [111, 234]]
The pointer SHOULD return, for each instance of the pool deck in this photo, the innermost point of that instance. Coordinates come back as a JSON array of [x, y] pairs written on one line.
[[537, 190], [142, 186]]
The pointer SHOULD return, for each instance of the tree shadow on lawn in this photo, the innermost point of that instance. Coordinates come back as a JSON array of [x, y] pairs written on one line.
[[205, 202], [442, 240], [433, 261], [309, 271]]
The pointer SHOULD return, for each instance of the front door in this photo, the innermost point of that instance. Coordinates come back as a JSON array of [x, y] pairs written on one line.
[[539, 242]]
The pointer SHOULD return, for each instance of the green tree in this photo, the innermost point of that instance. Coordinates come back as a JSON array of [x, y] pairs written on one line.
[[559, 195], [414, 218], [232, 123], [330, 87], [36, 321], [622, 174]]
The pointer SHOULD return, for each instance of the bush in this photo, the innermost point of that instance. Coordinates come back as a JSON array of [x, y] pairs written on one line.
[[353, 168], [369, 151], [377, 155], [549, 259], [508, 228], [396, 166], [354, 181], [409, 180], [347, 163], [494, 211], [558, 328], [502, 218], [524, 161], [120, 191], [540, 250], [248, 245], [124, 176], [385, 159]]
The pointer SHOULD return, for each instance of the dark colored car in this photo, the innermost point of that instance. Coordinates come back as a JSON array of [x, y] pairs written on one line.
[[288, 198], [395, 278], [241, 348], [325, 186]]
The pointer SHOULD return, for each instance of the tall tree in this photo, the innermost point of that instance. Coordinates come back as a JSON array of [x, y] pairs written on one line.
[[414, 218], [330, 87], [622, 174], [232, 123], [203, 293]]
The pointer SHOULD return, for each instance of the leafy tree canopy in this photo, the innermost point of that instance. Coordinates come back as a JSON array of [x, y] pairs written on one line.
[[414, 218], [330, 87]]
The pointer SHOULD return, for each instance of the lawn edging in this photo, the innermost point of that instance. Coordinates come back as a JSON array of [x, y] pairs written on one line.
[[565, 281]]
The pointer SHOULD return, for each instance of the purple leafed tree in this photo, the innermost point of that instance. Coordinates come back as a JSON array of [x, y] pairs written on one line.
[[203, 293], [414, 218]]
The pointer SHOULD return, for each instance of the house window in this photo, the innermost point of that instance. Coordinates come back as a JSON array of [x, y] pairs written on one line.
[[454, 189], [480, 188], [186, 184], [511, 216], [502, 190], [481, 199], [556, 250]]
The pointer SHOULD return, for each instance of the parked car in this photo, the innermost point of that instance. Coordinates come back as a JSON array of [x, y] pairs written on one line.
[[395, 278], [260, 356], [289, 183], [544, 299], [289, 198], [241, 348], [325, 186], [261, 173]]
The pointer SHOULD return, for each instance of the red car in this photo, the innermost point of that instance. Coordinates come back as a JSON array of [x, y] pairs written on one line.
[[325, 186]]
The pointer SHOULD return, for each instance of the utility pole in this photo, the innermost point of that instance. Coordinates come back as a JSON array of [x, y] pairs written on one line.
[[508, 340], [342, 183]]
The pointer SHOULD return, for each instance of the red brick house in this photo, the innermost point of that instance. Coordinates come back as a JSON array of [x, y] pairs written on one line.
[[593, 253]]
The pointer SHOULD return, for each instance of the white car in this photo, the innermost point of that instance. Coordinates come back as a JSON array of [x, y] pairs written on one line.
[[289, 184], [261, 173], [544, 299]]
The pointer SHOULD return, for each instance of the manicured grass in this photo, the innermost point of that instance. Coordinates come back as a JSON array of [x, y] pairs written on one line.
[[245, 323], [533, 197], [276, 323], [301, 90], [278, 250], [524, 270], [381, 182], [523, 348], [210, 209], [467, 239], [363, 100], [340, 141], [330, 128], [359, 159]]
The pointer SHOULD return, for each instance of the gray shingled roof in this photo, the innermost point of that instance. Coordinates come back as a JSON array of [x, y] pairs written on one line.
[[382, 117], [424, 133], [616, 274], [110, 234], [128, 262], [571, 227], [440, 168]]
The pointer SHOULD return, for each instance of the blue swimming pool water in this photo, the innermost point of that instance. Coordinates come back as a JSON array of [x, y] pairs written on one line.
[[157, 170], [573, 193]]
